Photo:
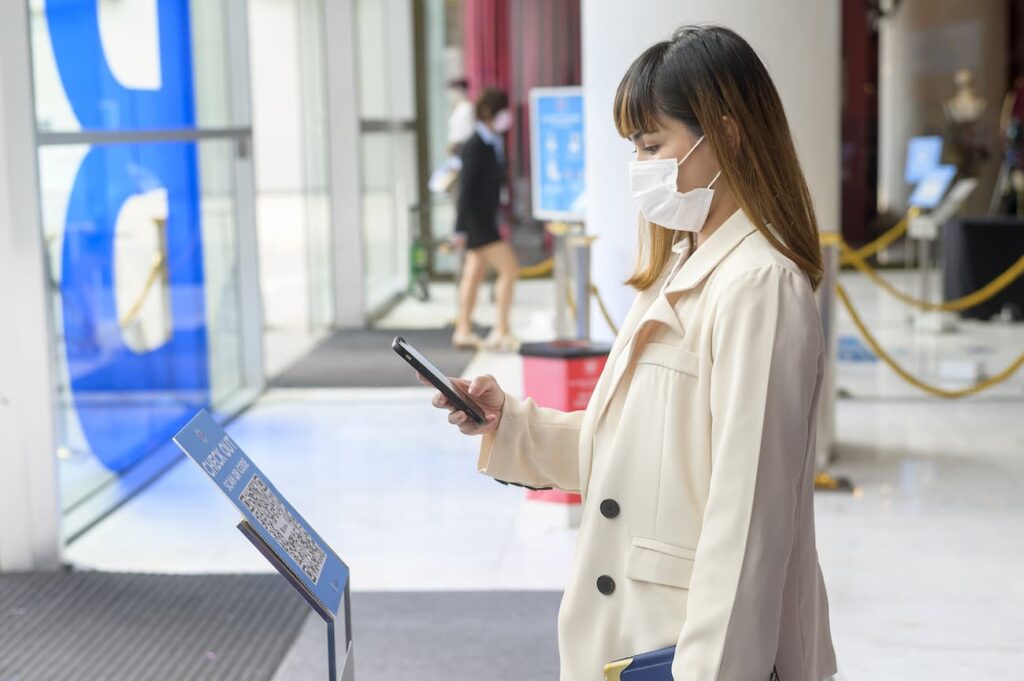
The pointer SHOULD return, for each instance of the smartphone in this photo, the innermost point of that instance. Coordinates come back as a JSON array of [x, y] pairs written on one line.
[[430, 372]]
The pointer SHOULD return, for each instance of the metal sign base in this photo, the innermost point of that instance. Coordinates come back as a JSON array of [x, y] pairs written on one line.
[[339, 633]]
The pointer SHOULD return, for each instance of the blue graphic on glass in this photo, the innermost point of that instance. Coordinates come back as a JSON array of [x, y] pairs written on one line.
[[129, 402]]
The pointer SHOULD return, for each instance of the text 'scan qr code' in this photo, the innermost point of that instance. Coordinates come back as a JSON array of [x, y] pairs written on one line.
[[282, 525]]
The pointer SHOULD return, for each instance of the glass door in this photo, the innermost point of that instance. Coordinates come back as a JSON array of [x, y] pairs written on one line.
[[387, 111], [290, 152]]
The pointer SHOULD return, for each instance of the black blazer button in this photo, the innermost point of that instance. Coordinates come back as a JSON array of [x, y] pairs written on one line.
[[609, 508], [605, 585]]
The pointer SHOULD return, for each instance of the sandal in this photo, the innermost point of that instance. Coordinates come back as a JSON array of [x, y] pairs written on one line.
[[504, 342], [467, 341]]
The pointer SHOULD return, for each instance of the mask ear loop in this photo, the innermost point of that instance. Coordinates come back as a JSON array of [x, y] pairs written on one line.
[[692, 149]]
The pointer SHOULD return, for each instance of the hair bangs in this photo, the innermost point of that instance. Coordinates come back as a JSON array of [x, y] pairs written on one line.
[[636, 108]]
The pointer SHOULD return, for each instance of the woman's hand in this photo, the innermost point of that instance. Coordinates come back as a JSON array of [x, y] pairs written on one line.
[[484, 392]]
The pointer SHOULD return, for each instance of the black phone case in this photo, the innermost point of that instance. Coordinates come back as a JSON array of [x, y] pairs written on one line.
[[453, 397]]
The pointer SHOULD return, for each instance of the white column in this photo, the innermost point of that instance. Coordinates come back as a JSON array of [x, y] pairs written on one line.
[[29, 507], [799, 41], [345, 162]]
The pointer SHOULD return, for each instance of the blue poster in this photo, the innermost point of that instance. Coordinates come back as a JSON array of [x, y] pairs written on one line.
[[556, 138], [295, 543]]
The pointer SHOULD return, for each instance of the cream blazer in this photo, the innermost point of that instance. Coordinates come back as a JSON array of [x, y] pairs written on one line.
[[695, 458]]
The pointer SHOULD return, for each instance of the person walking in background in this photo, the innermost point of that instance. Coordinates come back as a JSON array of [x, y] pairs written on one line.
[[445, 177], [476, 224], [463, 116]]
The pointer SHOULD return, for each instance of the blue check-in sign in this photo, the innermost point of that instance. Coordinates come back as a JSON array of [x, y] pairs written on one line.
[[306, 555], [556, 141]]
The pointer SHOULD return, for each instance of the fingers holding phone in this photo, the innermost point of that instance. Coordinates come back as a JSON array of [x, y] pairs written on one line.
[[474, 407], [483, 392]]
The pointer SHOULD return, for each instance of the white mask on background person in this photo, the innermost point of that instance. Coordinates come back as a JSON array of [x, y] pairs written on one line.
[[654, 188], [502, 122]]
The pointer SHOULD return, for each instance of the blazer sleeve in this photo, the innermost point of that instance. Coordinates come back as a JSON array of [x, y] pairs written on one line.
[[766, 343], [533, 446]]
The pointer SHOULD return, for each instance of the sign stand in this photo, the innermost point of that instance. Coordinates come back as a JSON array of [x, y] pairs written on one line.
[[334, 673], [937, 207], [281, 534]]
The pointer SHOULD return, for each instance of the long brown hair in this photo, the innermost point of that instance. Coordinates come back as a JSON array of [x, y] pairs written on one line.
[[699, 77]]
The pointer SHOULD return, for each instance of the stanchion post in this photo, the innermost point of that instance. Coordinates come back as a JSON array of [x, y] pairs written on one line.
[[580, 246], [560, 231], [582, 284]]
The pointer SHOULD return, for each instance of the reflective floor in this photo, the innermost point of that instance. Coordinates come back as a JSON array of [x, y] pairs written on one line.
[[922, 562]]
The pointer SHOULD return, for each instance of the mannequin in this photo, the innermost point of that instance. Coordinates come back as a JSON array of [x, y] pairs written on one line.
[[965, 106], [964, 112]]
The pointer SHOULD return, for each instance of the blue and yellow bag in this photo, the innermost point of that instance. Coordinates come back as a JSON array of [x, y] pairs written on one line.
[[653, 666]]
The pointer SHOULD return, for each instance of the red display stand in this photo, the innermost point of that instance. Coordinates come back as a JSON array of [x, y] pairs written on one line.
[[561, 375]]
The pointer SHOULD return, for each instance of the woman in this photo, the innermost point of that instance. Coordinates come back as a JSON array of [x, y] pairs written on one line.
[[480, 182], [695, 454]]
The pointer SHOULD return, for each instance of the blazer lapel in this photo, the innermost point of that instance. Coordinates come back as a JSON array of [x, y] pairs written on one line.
[[599, 399], [703, 260], [661, 310]]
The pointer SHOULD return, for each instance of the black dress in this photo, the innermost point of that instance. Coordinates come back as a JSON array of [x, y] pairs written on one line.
[[479, 193]]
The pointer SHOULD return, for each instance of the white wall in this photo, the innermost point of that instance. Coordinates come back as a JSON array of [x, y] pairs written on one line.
[[798, 41], [29, 519]]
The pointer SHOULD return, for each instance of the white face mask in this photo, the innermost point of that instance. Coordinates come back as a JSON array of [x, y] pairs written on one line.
[[654, 188], [502, 122]]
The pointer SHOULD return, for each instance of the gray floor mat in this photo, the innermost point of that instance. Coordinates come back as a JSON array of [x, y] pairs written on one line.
[[443, 636], [96, 626], [456, 636], [363, 358]]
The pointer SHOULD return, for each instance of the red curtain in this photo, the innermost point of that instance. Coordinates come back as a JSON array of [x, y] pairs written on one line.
[[485, 43], [546, 50]]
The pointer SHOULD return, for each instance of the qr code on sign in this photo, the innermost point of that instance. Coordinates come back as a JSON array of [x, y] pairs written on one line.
[[282, 525]]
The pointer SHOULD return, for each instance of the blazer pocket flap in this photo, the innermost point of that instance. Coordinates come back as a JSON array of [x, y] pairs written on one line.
[[669, 356], [659, 563]]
